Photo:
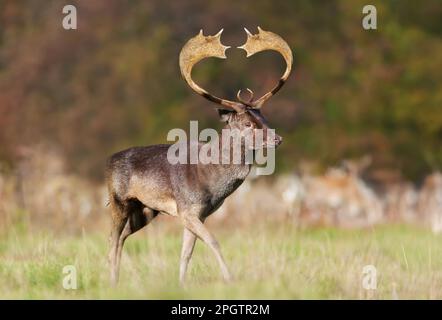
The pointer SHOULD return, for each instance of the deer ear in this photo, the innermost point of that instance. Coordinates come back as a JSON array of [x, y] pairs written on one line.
[[225, 114]]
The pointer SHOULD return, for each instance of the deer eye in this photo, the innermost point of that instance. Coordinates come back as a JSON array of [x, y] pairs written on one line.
[[248, 124]]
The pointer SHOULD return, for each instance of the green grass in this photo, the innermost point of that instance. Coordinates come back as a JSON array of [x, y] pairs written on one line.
[[268, 261]]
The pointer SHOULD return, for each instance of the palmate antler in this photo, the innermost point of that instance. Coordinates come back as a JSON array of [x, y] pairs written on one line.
[[197, 49], [201, 47], [266, 40]]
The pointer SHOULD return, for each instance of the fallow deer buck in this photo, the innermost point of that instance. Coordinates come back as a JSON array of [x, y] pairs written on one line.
[[142, 182]]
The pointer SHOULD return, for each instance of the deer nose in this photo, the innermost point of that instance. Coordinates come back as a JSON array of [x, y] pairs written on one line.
[[278, 140]]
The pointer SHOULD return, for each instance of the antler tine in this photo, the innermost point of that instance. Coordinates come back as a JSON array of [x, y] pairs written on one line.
[[197, 49], [266, 40], [247, 103]]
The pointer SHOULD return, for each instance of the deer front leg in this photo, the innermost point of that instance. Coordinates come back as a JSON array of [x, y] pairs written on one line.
[[196, 226], [186, 252]]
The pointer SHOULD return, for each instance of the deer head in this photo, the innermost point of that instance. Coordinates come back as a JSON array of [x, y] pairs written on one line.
[[243, 115]]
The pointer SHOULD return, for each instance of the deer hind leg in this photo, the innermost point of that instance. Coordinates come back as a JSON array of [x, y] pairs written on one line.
[[119, 219], [196, 226], [128, 218]]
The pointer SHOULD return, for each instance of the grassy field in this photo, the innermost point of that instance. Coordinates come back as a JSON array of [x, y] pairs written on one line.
[[268, 261]]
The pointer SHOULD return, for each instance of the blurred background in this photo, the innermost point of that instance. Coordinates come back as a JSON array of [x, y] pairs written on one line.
[[360, 115]]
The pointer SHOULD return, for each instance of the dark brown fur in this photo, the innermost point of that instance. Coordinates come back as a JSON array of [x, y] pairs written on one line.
[[142, 183]]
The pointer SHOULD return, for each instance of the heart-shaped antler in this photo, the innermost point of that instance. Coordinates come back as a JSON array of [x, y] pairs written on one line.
[[201, 47]]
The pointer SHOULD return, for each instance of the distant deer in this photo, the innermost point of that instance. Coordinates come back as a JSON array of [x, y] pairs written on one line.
[[142, 183], [341, 195]]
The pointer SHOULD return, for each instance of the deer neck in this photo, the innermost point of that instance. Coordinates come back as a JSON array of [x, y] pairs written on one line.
[[231, 167]]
